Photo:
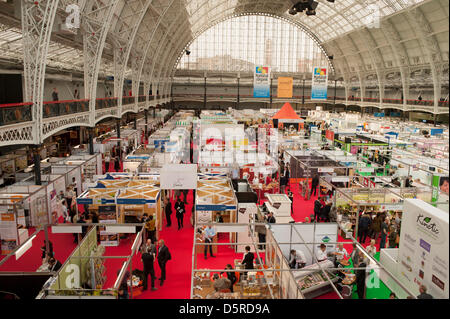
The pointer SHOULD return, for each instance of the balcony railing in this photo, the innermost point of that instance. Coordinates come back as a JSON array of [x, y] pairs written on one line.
[[105, 103], [58, 108], [15, 113]]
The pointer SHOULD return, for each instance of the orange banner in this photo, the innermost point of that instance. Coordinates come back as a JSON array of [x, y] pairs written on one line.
[[285, 87]]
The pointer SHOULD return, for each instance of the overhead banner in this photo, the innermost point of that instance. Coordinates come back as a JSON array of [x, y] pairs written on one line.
[[319, 84], [178, 176], [285, 87], [423, 252], [261, 83]]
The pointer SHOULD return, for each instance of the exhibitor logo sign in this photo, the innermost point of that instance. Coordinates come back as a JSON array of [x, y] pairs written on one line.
[[427, 225]]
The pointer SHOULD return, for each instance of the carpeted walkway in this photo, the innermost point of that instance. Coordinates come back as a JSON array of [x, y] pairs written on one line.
[[178, 270], [63, 246]]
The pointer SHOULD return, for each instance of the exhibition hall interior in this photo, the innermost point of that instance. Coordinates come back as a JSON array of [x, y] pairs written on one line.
[[224, 149]]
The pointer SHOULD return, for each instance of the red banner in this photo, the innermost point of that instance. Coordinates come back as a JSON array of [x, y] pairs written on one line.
[[329, 135]]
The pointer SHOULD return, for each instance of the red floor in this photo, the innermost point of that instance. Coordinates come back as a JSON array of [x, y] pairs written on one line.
[[63, 246], [178, 270]]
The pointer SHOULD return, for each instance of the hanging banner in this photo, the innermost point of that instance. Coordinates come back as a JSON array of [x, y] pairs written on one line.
[[319, 84], [261, 83], [329, 135], [285, 85]]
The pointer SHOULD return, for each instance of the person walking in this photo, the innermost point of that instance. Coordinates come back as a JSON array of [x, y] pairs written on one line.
[[317, 208], [364, 225], [208, 235], [361, 278], [314, 184], [384, 233], [376, 227], [147, 261], [150, 227], [168, 211], [179, 212], [163, 257]]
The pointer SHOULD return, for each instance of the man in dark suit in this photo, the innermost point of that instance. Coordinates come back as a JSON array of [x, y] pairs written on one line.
[[248, 259], [163, 257], [314, 184], [53, 264], [361, 277], [317, 208], [168, 211], [179, 212], [147, 260]]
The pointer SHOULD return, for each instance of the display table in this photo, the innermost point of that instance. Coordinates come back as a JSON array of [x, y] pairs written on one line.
[[200, 249], [279, 205], [284, 220]]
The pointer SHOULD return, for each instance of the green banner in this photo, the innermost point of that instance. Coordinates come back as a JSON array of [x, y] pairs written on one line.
[[74, 274], [435, 185]]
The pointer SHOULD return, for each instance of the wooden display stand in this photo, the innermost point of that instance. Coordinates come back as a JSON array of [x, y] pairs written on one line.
[[200, 248]]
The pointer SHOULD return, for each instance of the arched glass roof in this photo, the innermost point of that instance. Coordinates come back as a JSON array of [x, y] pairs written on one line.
[[240, 43]]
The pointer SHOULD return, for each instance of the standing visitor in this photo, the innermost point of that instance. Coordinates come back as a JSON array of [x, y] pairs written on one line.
[[393, 237], [69, 198], [291, 198], [247, 261], [55, 95], [314, 185], [168, 211], [364, 225], [150, 227], [163, 257], [361, 278], [147, 261], [179, 212], [208, 235], [317, 208], [384, 233], [376, 226]]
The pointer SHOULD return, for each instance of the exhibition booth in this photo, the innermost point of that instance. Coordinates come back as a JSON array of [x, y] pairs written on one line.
[[95, 271]]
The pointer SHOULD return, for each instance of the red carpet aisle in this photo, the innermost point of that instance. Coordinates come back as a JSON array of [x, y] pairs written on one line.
[[178, 270], [63, 246]]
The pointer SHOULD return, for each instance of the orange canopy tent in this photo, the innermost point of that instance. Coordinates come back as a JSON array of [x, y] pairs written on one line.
[[286, 113]]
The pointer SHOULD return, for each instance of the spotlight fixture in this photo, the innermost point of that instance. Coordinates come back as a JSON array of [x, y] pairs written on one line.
[[309, 6], [188, 52]]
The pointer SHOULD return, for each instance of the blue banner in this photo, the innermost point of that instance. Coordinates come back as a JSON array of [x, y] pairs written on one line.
[[213, 207], [435, 131], [378, 114]]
